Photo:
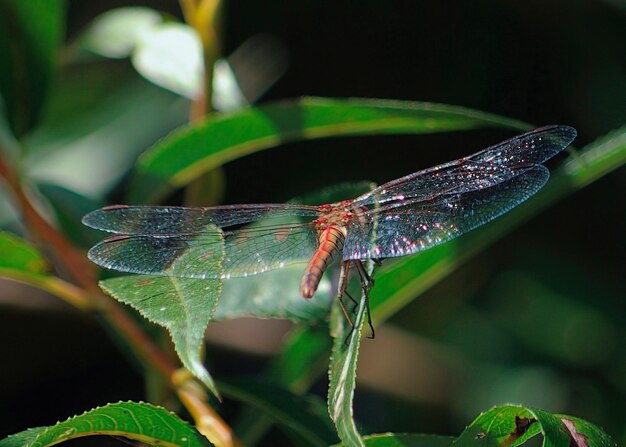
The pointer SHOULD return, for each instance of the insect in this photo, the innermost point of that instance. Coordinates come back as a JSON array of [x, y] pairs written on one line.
[[402, 217]]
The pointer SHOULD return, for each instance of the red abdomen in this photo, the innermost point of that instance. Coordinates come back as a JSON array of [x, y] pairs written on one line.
[[330, 243]]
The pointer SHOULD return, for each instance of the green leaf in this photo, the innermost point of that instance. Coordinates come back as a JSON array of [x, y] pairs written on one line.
[[594, 435], [514, 425], [30, 35], [170, 55], [181, 305], [19, 256], [138, 421], [342, 369], [304, 418], [21, 262], [193, 150], [407, 440], [505, 425]]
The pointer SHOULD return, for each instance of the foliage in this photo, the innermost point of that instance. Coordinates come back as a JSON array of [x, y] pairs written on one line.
[[44, 163]]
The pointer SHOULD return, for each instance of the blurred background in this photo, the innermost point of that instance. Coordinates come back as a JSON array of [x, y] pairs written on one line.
[[539, 318]]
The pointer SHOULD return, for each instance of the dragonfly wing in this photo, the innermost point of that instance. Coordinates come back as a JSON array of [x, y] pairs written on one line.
[[252, 251], [246, 252], [483, 169], [164, 220], [398, 231]]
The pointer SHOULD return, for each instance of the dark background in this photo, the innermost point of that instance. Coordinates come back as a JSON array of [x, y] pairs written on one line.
[[538, 319]]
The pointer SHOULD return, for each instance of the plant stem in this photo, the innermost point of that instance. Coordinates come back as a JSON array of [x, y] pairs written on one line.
[[203, 16]]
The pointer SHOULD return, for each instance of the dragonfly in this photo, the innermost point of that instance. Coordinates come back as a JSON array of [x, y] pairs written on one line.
[[402, 217]]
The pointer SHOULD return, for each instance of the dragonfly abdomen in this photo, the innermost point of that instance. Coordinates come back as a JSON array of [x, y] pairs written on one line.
[[330, 242]]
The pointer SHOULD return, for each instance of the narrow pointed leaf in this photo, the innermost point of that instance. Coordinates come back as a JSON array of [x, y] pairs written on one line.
[[193, 150], [342, 371], [137, 421]]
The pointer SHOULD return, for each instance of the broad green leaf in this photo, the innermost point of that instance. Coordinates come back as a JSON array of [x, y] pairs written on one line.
[[514, 425], [193, 150], [20, 256], [406, 440], [183, 306], [30, 35], [137, 421], [304, 418], [342, 370], [170, 55], [116, 32]]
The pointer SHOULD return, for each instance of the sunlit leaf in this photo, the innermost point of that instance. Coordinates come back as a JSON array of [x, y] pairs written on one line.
[[514, 425], [170, 55], [30, 35], [117, 32], [137, 421], [193, 150]]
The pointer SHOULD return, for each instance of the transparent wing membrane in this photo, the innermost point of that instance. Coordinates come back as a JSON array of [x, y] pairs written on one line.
[[399, 231], [246, 252], [483, 169], [404, 216], [123, 219]]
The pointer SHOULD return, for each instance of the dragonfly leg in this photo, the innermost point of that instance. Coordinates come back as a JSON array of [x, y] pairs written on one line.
[[341, 290], [367, 282], [355, 303]]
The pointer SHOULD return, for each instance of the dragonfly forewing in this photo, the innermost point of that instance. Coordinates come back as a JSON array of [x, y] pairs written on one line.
[[168, 220], [483, 169], [402, 230]]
